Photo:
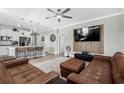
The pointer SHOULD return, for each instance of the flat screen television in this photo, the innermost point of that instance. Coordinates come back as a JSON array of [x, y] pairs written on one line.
[[91, 33]]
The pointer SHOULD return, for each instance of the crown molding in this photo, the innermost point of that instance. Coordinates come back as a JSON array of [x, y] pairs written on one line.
[[94, 19], [10, 26]]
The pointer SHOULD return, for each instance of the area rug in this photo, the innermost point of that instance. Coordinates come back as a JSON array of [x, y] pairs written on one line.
[[51, 65]]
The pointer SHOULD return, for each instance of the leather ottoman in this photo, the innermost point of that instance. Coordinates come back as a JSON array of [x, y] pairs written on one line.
[[71, 66]]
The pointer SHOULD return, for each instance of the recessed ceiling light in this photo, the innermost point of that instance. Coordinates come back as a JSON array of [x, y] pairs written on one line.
[[18, 25]]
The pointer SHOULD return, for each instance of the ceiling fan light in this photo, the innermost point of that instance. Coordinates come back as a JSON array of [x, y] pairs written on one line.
[[58, 16]]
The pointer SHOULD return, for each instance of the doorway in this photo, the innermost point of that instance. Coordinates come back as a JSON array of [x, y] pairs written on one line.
[[61, 43]]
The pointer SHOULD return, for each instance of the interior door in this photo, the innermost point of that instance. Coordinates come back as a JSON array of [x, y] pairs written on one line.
[[61, 43], [46, 42]]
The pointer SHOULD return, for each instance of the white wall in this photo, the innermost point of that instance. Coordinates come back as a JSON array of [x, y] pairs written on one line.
[[50, 46], [113, 33]]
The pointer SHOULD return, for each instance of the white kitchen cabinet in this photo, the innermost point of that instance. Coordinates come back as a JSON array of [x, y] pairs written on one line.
[[8, 32], [15, 36], [4, 50], [3, 32]]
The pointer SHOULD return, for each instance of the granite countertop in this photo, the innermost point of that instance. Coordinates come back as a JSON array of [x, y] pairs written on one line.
[[24, 46]]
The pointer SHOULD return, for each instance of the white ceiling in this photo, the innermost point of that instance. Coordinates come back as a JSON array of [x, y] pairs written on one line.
[[12, 16]]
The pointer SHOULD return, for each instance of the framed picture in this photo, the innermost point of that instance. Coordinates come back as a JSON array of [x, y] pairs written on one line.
[[53, 37]]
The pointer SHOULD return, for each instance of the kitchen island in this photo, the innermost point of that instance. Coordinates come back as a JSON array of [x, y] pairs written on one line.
[[27, 51]]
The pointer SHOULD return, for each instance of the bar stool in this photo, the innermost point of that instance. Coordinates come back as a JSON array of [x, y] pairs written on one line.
[[36, 52], [31, 52], [21, 52], [40, 49]]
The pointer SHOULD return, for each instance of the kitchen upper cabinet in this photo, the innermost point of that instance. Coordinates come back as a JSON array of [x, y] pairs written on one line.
[[3, 32], [6, 32], [24, 33]]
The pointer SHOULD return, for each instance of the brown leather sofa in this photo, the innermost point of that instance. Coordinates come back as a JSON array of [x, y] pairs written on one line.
[[19, 71], [103, 69]]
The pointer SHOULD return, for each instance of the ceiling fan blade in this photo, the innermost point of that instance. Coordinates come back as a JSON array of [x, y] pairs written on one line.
[[50, 17], [66, 10], [59, 20], [50, 10], [47, 17], [65, 16]]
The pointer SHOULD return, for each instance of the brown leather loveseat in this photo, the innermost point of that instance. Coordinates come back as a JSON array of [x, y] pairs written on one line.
[[103, 70], [19, 71]]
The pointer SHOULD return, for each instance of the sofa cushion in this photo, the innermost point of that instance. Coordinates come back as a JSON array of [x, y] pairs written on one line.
[[27, 76], [79, 79], [117, 62], [47, 78], [16, 62], [6, 58], [20, 69], [98, 70], [5, 76]]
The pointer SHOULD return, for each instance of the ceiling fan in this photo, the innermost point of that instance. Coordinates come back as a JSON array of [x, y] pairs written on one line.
[[59, 14]]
